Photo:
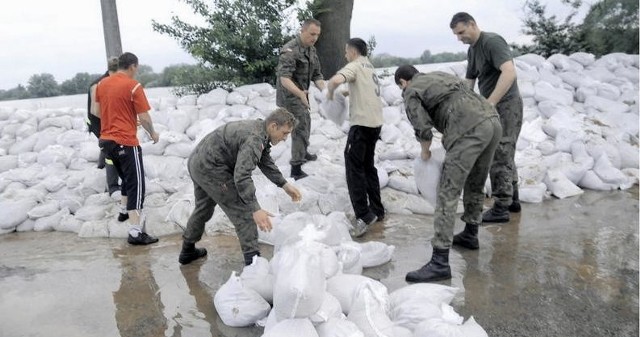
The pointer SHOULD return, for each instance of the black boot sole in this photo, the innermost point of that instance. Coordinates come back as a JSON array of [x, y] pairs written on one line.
[[433, 279]]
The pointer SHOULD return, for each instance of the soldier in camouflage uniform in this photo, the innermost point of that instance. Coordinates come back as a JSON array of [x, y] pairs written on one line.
[[297, 67], [221, 166], [490, 61], [471, 132]]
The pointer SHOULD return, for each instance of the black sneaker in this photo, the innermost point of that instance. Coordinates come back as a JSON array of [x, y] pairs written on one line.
[[122, 217], [142, 239]]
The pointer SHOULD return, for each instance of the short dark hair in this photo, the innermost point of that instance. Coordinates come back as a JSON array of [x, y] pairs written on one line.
[[282, 116], [463, 17], [405, 72], [112, 64], [309, 22], [126, 60], [359, 45]]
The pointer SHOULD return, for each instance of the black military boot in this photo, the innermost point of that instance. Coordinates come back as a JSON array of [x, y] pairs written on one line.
[[436, 270], [297, 172], [190, 253], [497, 213], [515, 203], [468, 238], [248, 257]]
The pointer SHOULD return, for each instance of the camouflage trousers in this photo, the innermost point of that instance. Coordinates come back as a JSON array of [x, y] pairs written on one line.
[[209, 193], [300, 135], [504, 173], [466, 165]]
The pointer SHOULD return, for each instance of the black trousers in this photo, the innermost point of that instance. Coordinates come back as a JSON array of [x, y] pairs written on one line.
[[362, 175], [128, 162]]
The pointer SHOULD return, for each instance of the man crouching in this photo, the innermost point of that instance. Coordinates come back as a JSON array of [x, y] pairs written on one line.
[[221, 166]]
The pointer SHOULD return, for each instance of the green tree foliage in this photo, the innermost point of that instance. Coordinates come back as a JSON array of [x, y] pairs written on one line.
[[239, 43], [43, 85], [79, 84], [147, 77], [550, 34], [611, 26], [19, 92]]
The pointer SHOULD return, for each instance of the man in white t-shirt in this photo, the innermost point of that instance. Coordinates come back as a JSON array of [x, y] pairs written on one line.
[[365, 110]]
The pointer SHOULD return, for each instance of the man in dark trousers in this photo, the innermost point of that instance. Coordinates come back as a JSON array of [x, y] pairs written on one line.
[[221, 166], [490, 61], [297, 67], [365, 117], [120, 104], [471, 131], [93, 125]]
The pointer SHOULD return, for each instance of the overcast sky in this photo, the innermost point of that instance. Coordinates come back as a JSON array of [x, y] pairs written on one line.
[[64, 37]]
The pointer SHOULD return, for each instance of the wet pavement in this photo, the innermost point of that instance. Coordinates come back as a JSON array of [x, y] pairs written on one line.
[[560, 268]]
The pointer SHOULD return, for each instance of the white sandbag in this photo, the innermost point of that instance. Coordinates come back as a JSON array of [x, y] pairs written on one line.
[[300, 327], [212, 112], [187, 100], [349, 254], [236, 97], [565, 63], [606, 105], [335, 226], [298, 292], [330, 309], [63, 122], [392, 114], [178, 120], [560, 186], [546, 91], [413, 311], [213, 97], [89, 151], [437, 327], [431, 292], [165, 167], [263, 105], [45, 209], [532, 59], [391, 94], [92, 212], [262, 89], [49, 223], [8, 162], [402, 183], [338, 327], [369, 313], [55, 154], [14, 212], [374, 253], [239, 306], [181, 150], [345, 286], [583, 58], [241, 111], [181, 209], [592, 181], [24, 145], [383, 178], [68, 223], [336, 109], [390, 134], [256, 276], [427, 174], [607, 172], [289, 227]]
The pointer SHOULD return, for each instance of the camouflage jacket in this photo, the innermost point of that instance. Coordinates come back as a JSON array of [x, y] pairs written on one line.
[[442, 101], [301, 65], [230, 154]]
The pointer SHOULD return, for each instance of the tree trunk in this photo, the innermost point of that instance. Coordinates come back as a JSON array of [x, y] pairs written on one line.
[[335, 16], [111, 28]]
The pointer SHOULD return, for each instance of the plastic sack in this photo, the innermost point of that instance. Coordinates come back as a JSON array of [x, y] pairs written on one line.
[[346, 286], [300, 327], [256, 276], [239, 306], [427, 174], [338, 327], [369, 313], [375, 253]]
